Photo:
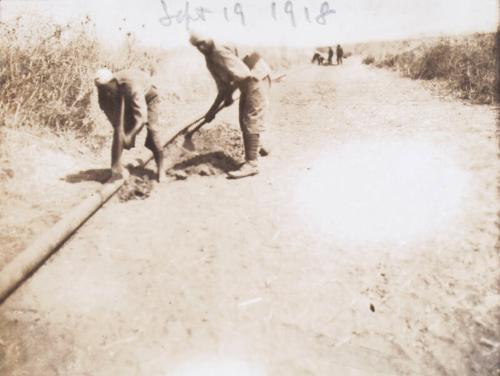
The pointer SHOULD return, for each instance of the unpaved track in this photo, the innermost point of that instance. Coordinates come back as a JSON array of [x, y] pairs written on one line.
[[231, 277]]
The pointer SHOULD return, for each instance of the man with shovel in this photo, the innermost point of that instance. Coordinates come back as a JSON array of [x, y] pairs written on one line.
[[130, 101], [251, 76]]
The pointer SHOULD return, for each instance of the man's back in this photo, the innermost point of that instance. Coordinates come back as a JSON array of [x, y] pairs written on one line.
[[137, 88], [135, 81], [225, 65]]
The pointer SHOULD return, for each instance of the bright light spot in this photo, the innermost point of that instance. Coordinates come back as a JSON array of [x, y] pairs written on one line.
[[217, 366], [395, 190]]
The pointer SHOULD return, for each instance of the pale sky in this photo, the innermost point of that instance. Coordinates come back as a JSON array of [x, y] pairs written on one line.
[[352, 20]]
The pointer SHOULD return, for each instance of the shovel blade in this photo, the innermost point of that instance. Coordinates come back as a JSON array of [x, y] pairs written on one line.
[[188, 143]]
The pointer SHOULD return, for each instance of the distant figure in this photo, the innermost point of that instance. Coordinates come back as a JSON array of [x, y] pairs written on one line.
[[318, 58], [130, 101], [340, 54], [330, 56]]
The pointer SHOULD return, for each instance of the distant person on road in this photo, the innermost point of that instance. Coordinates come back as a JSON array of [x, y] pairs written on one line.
[[330, 56], [318, 58], [340, 54], [130, 95], [251, 75]]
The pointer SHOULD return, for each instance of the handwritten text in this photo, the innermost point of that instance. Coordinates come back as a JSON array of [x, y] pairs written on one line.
[[279, 11]]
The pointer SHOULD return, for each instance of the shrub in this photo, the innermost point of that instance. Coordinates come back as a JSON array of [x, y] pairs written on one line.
[[466, 65], [368, 60], [44, 75]]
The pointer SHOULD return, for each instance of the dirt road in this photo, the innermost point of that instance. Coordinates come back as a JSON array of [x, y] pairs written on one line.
[[366, 246]]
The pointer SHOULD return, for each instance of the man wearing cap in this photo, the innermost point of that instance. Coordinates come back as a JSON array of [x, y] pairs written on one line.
[[251, 77], [130, 101]]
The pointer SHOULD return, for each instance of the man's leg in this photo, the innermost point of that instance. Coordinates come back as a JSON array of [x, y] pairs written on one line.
[[264, 88], [252, 108], [116, 153], [250, 167], [153, 141]]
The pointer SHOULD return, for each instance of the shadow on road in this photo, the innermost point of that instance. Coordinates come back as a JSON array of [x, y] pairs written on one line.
[[96, 174], [101, 175], [217, 160], [142, 172]]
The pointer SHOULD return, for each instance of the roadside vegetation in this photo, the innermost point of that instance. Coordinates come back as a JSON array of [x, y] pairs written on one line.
[[463, 65], [46, 74], [43, 75]]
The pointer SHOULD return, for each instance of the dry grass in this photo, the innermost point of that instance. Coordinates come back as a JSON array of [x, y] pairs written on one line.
[[43, 73], [465, 65], [368, 60]]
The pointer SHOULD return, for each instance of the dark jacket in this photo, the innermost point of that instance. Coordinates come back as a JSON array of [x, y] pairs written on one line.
[[340, 51]]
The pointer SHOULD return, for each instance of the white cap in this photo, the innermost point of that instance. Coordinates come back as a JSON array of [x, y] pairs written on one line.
[[103, 76]]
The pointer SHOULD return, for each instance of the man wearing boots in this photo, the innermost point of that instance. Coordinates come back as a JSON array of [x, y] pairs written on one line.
[[130, 101], [251, 76]]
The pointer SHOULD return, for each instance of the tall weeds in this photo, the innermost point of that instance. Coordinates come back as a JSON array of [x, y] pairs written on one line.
[[46, 73], [465, 65], [43, 75]]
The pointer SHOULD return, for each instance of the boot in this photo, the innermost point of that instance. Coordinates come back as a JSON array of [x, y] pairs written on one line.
[[249, 168]]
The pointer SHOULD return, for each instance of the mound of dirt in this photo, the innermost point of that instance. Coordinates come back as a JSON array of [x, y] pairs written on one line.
[[135, 188], [218, 149]]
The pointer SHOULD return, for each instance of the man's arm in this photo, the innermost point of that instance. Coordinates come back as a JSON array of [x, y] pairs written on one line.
[[116, 152], [224, 94], [138, 106], [118, 135], [107, 103], [225, 59], [210, 115]]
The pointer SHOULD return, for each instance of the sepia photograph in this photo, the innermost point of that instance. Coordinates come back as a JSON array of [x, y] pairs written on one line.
[[249, 188]]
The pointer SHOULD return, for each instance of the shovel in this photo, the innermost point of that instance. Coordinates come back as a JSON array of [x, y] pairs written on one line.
[[188, 136]]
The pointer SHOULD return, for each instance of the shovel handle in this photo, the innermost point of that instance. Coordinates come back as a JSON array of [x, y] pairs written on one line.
[[121, 119], [189, 133]]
